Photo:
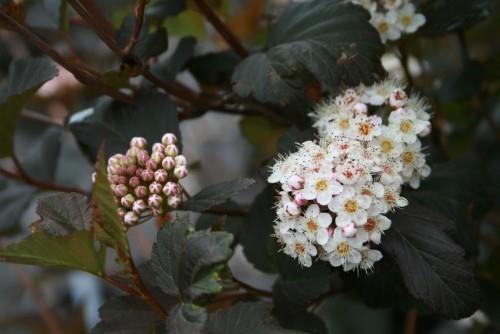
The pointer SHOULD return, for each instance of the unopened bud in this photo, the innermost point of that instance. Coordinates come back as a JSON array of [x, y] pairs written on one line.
[[157, 157], [180, 172], [133, 152], [142, 158], [180, 160], [155, 187], [150, 164], [122, 180], [158, 147], [127, 201], [134, 182], [161, 176], [122, 171], [155, 201], [168, 139], [128, 161], [398, 98], [168, 163], [299, 199], [139, 142], [292, 209], [131, 170], [147, 175], [295, 182], [360, 108], [131, 218], [141, 191], [349, 230], [121, 212], [171, 188], [173, 201], [115, 159], [139, 206], [171, 150], [121, 190]]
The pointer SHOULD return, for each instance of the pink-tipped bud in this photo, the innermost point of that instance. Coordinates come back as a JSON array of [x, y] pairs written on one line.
[[330, 231], [168, 163], [94, 177], [299, 199], [121, 190], [155, 201], [171, 188], [171, 150], [180, 160], [134, 182], [292, 209], [133, 151], [131, 218], [115, 159], [150, 164], [128, 161], [142, 158], [122, 180], [138, 172], [147, 175], [161, 176], [122, 171], [127, 201], [139, 206], [113, 179], [158, 147], [139, 142], [131, 170], [168, 139], [141, 191], [113, 169], [360, 109], [180, 172], [157, 157], [173, 201], [295, 182], [155, 187], [121, 212], [349, 230], [398, 98]]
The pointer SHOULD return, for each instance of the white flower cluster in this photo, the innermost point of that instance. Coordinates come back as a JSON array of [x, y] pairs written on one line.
[[336, 191], [393, 18], [142, 182]]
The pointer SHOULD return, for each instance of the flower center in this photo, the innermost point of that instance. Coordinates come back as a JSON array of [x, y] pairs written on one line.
[[351, 206], [299, 248], [389, 198], [406, 20], [408, 157], [321, 185], [343, 248], [365, 129], [370, 225], [383, 27], [387, 146], [344, 123], [405, 126], [312, 226]]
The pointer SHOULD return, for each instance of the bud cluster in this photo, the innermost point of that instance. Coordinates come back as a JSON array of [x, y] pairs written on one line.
[[336, 191], [393, 18], [147, 182]]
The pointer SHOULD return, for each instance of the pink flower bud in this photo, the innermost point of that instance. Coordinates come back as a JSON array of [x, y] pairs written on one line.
[[122, 171], [171, 150], [121, 212], [157, 157], [180, 172], [130, 218], [299, 199], [158, 147], [171, 188], [147, 175], [138, 172], [150, 164], [295, 182], [168, 139], [330, 231], [398, 98], [113, 179], [121, 190], [142, 158], [161, 176], [131, 170], [138, 142], [155, 201], [113, 169], [139, 206], [134, 182], [173, 201], [141, 191], [122, 180], [349, 230], [155, 187], [133, 151], [180, 160], [360, 109], [292, 209], [128, 161], [127, 201], [168, 163]]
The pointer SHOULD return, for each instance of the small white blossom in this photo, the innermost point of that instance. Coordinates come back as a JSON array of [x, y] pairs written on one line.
[[409, 21], [315, 224], [349, 206]]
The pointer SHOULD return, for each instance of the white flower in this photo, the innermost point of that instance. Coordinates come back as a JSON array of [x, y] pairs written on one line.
[[392, 199], [349, 206], [315, 224], [375, 227], [368, 259], [379, 93], [348, 172], [342, 251], [386, 25], [366, 127], [405, 126], [389, 146], [390, 174], [321, 186], [392, 4], [298, 247], [409, 21], [398, 98]]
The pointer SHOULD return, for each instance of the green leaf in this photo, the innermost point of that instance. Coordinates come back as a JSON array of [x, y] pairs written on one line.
[[324, 40], [106, 216], [74, 251], [128, 315], [25, 77], [259, 247], [15, 197], [64, 213], [448, 16], [431, 263], [187, 265], [160, 9], [186, 319], [245, 318], [214, 68], [114, 123], [167, 70], [58, 11], [216, 194]]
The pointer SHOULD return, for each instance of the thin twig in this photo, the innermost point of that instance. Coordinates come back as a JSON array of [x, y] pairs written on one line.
[[222, 28], [140, 6], [238, 212], [35, 116]]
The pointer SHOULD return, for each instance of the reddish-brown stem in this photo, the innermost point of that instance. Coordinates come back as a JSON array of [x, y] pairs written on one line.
[[140, 6], [411, 322], [176, 90], [222, 28], [121, 286], [227, 211]]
